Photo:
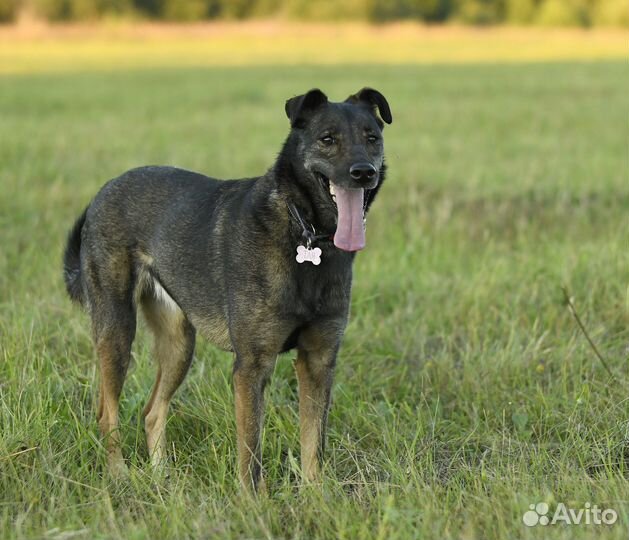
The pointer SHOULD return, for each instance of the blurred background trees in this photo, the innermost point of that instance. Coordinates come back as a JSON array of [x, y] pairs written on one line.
[[581, 13]]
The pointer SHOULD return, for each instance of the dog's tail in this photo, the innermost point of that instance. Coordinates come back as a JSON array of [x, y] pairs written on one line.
[[72, 261]]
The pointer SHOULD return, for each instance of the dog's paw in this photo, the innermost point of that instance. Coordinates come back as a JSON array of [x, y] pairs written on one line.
[[117, 468]]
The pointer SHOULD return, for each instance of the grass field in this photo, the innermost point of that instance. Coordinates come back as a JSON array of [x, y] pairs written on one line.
[[31, 48], [464, 391]]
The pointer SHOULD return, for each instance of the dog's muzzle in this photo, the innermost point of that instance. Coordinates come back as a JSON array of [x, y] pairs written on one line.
[[363, 173]]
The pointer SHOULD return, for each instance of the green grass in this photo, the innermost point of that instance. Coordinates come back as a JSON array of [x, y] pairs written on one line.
[[120, 46], [464, 390]]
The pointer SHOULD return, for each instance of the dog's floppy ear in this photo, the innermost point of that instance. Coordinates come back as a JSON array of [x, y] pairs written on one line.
[[374, 100], [297, 108]]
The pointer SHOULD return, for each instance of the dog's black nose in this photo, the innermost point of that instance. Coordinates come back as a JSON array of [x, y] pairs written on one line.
[[362, 172]]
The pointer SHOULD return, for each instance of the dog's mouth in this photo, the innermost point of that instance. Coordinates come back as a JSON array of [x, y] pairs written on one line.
[[327, 186], [350, 207]]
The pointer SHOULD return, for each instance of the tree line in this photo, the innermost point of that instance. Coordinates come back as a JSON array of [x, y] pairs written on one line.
[[583, 13]]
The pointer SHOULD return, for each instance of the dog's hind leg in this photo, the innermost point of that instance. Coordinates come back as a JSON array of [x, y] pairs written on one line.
[[173, 349], [109, 281], [113, 354]]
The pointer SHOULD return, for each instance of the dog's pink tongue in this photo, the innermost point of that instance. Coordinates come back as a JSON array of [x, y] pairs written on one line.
[[350, 230]]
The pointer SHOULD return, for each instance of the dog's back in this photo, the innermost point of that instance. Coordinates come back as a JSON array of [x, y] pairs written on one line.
[[134, 217]]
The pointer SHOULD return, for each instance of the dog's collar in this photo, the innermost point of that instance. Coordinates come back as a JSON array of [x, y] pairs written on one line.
[[308, 232]]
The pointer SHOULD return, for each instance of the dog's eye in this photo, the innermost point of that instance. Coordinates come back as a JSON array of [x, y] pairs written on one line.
[[328, 140], [372, 138]]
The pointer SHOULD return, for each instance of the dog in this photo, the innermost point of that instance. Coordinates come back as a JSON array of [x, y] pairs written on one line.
[[259, 266]]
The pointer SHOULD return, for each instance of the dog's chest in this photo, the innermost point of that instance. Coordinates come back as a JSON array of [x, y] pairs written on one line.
[[315, 291]]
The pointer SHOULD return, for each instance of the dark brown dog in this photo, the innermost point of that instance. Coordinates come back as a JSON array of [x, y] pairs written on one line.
[[259, 266]]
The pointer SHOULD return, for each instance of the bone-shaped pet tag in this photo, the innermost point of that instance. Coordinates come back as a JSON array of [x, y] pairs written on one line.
[[312, 255]]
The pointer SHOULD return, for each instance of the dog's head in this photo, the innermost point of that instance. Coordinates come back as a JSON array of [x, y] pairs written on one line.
[[339, 156]]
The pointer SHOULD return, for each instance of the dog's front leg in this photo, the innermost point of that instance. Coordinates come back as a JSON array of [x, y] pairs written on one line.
[[251, 375], [315, 374]]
